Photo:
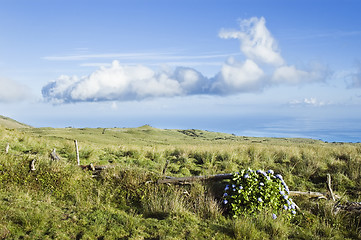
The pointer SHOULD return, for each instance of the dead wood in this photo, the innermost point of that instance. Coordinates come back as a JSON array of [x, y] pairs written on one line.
[[353, 207], [329, 186], [32, 165], [93, 167], [308, 194], [54, 156], [187, 180]]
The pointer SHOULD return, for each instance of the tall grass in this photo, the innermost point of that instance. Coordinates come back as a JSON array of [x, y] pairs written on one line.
[[61, 201]]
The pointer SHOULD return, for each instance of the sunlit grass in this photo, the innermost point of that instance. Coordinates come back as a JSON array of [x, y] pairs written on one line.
[[60, 200]]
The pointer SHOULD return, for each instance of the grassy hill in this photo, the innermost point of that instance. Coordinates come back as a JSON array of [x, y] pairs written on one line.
[[59, 200], [11, 123]]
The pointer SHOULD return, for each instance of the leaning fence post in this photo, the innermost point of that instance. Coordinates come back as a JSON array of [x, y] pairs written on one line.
[[77, 152], [329, 186]]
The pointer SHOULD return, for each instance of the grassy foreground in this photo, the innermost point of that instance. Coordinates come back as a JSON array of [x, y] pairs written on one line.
[[61, 201]]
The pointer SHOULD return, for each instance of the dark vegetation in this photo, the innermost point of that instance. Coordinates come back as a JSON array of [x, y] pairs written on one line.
[[59, 200]]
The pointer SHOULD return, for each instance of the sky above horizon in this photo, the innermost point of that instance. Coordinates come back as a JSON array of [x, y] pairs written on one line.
[[253, 68]]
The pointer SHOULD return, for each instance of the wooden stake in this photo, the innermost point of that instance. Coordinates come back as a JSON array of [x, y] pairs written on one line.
[[7, 148], [32, 165], [91, 166], [165, 167], [329, 186], [54, 156], [77, 152]]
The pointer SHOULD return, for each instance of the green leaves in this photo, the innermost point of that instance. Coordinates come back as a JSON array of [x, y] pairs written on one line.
[[250, 192]]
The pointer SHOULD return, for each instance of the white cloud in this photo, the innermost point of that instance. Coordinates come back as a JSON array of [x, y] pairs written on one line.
[[257, 42], [142, 56], [309, 102], [263, 67], [120, 82], [12, 91], [239, 77], [291, 75]]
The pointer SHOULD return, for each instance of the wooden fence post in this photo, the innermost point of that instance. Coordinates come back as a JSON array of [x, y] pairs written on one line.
[[329, 187], [165, 167], [7, 148], [32, 165], [77, 152]]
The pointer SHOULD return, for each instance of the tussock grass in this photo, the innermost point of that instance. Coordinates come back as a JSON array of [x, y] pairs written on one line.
[[61, 201]]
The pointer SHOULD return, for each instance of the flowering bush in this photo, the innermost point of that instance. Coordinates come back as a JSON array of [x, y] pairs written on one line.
[[252, 191]]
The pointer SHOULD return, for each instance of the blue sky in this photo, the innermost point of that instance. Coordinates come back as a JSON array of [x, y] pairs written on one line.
[[256, 68]]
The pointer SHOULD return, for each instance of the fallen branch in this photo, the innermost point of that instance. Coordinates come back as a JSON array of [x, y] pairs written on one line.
[[308, 194], [94, 167], [187, 180], [349, 207]]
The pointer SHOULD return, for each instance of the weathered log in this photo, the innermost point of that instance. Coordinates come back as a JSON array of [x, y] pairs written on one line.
[[187, 180], [93, 167], [308, 194], [349, 207]]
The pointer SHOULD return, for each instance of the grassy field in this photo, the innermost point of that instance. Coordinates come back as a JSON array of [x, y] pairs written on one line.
[[61, 201]]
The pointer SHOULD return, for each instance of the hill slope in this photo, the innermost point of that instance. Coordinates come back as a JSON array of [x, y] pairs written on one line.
[[11, 123], [45, 199]]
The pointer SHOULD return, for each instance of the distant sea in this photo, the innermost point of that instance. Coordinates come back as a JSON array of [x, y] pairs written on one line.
[[329, 131], [333, 131]]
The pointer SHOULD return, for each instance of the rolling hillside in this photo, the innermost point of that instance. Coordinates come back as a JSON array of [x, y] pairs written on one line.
[[43, 198], [11, 123]]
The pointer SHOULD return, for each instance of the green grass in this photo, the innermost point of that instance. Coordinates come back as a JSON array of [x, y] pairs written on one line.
[[61, 201], [11, 123]]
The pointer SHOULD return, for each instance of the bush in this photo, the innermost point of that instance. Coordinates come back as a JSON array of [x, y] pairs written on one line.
[[250, 192]]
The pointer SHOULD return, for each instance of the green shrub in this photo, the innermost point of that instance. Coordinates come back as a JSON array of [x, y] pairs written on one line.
[[250, 192]]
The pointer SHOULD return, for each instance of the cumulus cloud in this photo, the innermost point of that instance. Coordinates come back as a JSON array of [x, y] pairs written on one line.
[[256, 41], [289, 74], [237, 77], [262, 67], [119, 82], [12, 91]]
